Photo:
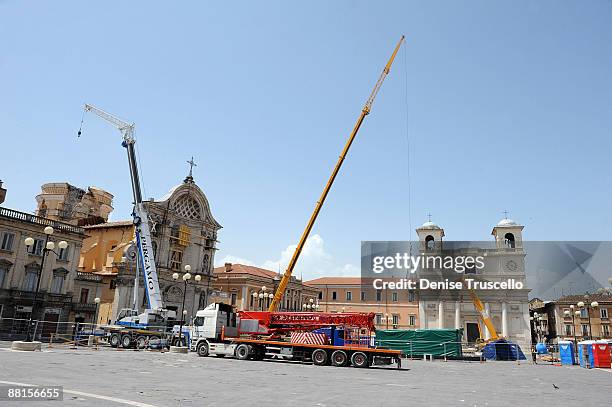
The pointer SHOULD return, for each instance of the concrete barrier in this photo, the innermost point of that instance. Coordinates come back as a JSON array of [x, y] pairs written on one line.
[[26, 346], [179, 349]]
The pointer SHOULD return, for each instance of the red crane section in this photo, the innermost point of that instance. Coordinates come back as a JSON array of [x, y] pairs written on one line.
[[277, 322]]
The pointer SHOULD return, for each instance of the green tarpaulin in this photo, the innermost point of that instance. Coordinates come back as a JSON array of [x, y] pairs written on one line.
[[418, 342]]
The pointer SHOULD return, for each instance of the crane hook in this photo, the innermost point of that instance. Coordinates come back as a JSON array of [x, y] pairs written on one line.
[[81, 126]]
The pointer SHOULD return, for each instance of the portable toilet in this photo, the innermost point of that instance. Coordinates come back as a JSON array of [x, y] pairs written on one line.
[[566, 353], [585, 354], [601, 354]]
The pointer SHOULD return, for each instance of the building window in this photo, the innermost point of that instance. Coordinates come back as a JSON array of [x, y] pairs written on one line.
[[63, 254], [395, 319], [568, 330], [349, 296], [378, 295], [234, 299], [585, 330], [84, 295], [30, 280], [605, 330], [3, 274], [334, 295], [57, 283], [7, 241], [363, 296], [410, 296], [394, 296], [509, 241], [320, 295], [252, 303], [176, 259], [429, 243], [603, 312], [584, 313], [412, 320], [37, 247], [378, 319]]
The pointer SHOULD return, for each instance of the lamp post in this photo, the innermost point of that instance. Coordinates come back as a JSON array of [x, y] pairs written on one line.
[[48, 247], [95, 320], [587, 308], [186, 277]]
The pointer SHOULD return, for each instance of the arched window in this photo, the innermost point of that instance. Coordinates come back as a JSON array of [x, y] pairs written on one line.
[[509, 241], [430, 242]]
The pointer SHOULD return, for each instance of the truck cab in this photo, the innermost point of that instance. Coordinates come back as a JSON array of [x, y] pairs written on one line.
[[210, 326]]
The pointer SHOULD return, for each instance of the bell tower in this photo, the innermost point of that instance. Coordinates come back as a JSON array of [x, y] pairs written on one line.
[[430, 236], [508, 234]]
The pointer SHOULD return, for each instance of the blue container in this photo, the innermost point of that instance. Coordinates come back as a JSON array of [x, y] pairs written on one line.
[[566, 353], [585, 354], [541, 348]]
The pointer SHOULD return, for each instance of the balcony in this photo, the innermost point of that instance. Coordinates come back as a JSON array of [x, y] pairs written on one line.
[[38, 220], [88, 276], [84, 307]]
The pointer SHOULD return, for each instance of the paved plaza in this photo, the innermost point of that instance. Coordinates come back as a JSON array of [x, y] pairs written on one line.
[[109, 377]]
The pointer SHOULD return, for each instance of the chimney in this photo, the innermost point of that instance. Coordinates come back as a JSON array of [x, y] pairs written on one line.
[[2, 192], [228, 267]]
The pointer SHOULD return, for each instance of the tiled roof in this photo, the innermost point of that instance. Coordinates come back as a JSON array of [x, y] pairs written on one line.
[[599, 297], [244, 269], [335, 281]]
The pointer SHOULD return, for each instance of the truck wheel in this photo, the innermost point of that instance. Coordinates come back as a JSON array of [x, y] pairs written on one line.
[[242, 351], [339, 358], [113, 341], [202, 349], [141, 342], [126, 341], [360, 359], [319, 357]]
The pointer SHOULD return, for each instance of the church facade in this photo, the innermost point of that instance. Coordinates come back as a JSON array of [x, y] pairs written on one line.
[[504, 260]]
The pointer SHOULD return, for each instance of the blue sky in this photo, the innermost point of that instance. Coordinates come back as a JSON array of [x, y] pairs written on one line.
[[508, 107]]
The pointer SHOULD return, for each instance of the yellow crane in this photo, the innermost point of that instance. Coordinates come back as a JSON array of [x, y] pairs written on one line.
[[280, 291]]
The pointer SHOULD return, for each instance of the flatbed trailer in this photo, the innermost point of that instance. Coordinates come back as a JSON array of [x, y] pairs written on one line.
[[319, 354]]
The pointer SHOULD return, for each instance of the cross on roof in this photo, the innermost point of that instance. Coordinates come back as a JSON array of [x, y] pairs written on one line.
[[191, 165], [429, 216], [505, 214]]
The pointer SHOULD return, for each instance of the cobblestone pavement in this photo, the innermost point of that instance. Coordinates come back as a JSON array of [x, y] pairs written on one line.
[[109, 377]]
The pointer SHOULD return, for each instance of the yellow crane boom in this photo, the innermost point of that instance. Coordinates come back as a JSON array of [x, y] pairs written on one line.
[[484, 315], [280, 291]]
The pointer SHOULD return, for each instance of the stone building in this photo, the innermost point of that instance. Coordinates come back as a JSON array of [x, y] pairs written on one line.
[[586, 316], [503, 260], [183, 231], [20, 267], [67, 203], [236, 284], [394, 309]]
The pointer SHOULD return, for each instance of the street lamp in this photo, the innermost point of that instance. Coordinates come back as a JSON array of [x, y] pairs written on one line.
[[586, 307], [48, 247], [262, 295], [186, 277]]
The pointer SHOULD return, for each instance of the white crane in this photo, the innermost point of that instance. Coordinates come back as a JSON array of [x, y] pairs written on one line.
[[144, 245]]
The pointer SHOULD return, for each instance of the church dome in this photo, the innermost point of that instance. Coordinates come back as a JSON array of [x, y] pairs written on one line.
[[430, 225], [507, 222]]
